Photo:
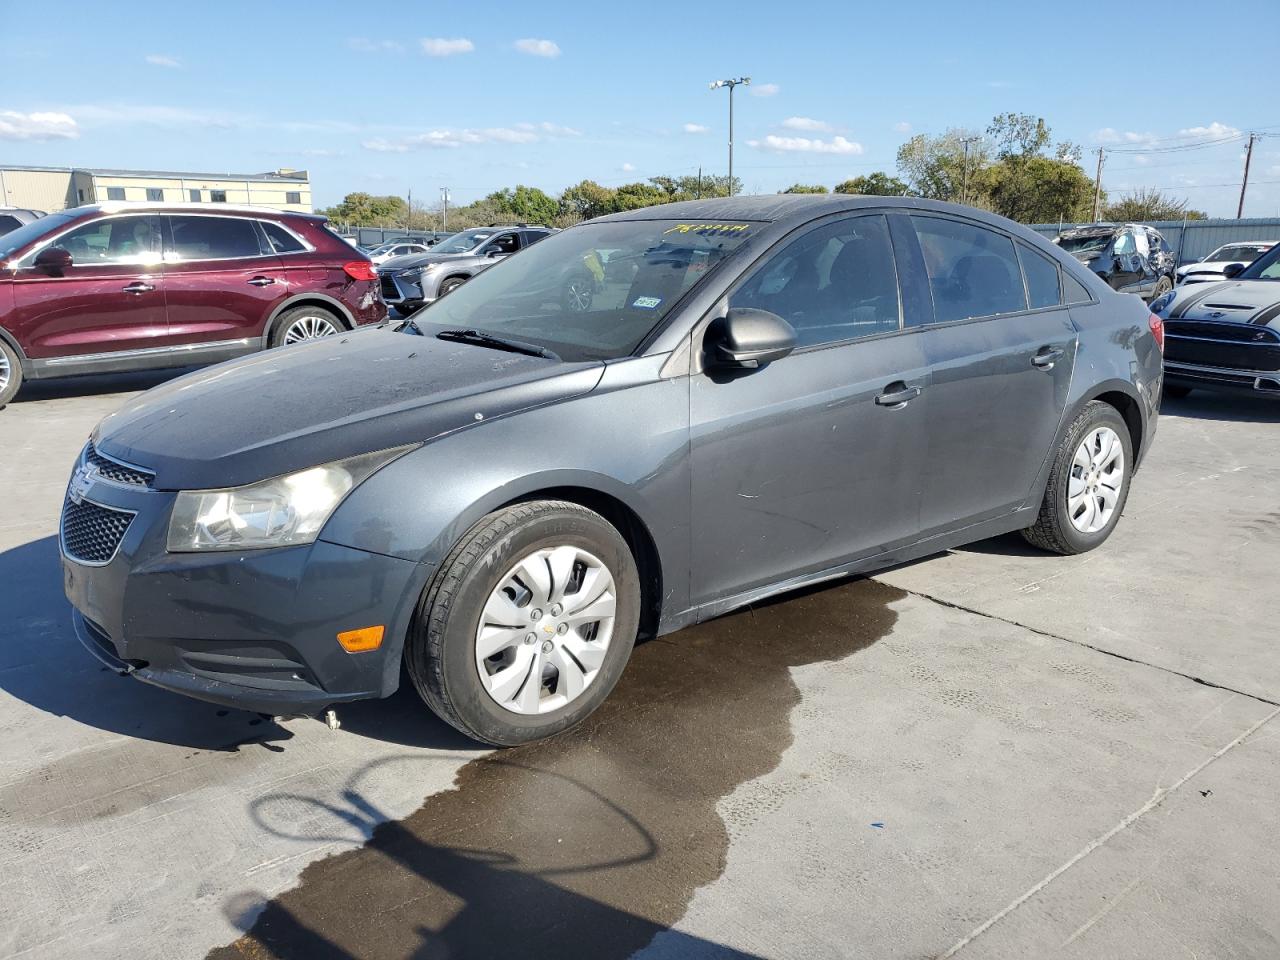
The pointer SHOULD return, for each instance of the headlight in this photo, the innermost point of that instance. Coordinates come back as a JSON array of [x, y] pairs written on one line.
[[420, 271], [1160, 303], [273, 513]]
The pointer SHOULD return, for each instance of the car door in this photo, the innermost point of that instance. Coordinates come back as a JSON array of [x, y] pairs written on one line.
[[815, 458], [1001, 350], [223, 279], [109, 299]]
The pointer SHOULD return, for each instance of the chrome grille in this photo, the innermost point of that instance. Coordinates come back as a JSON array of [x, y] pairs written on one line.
[[389, 289], [115, 471], [92, 533]]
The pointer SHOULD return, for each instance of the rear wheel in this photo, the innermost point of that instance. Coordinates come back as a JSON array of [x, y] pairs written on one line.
[[10, 373], [1088, 485], [1163, 286], [303, 324], [528, 624]]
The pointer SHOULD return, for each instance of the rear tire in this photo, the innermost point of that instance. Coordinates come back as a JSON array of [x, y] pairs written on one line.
[[1084, 498], [1163, 286], [482, 586], [10, 373], [304, 324]]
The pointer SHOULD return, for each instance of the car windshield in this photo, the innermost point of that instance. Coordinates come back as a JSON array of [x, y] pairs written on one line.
[[1089, 243], [15, 240], [1266, 267], [593, 292], [462, 242], [1234, 254]]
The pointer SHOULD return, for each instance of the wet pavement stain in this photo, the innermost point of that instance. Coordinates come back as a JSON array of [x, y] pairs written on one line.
[[591, 843]]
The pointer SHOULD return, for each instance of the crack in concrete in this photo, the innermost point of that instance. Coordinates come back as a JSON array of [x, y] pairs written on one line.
[[1089, 646]]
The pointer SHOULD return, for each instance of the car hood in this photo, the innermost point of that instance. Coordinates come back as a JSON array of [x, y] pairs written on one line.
[[1232, 301], [420, 260], [295, 407], [1208, 266]]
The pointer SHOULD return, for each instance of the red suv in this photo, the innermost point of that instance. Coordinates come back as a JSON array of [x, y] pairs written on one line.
[[115, 287]]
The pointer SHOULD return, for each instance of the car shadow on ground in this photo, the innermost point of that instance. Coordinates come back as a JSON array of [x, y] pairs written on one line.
[[100, 383], [43, 664], [1227, 407]]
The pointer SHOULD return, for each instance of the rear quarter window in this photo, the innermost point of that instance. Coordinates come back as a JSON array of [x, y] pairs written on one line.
[[1041, 273]]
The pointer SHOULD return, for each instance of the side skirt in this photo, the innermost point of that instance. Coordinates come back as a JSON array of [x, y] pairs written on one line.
[[151, 358]]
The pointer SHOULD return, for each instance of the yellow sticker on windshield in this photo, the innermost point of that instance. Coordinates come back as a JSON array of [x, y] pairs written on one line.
[[709, 229]]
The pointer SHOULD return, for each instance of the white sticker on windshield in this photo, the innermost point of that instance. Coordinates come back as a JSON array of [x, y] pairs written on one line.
[[646, 303]]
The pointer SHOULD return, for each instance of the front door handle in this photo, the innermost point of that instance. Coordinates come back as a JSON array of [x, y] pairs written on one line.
[[139, 287], [261, 282], [1047, 357], [897, 395]]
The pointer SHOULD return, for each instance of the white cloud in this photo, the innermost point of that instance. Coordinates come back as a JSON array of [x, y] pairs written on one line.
[[365, 45], [695, 128], [1111, 135], [441, 47], [807, 123], [538, 48], [161, 60], [628, 167], [806, 145], [37, 126], [449, 139], [1214, 130], [1141, 159], [764, 89], [902, 127]]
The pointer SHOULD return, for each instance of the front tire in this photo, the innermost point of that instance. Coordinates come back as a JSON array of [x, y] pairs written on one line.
[[10, 373], [1088, 484], [527, 625], [450, 285]]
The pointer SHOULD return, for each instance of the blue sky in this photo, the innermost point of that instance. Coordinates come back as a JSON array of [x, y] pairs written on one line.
[[483, 94]]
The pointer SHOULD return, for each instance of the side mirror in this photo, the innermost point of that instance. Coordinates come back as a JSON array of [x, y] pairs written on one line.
[[747, 337], [496, 252], [1233, 270], [52, 260]]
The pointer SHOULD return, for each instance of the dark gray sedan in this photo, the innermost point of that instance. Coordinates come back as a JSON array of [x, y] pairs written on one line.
[[503, 494]]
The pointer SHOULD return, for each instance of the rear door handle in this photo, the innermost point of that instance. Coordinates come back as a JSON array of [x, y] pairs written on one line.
[[1047, 357], [897, 395], [139, 287], [261, 282]]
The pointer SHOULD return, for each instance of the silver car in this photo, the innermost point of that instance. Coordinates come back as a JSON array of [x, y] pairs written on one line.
[[411, 282]]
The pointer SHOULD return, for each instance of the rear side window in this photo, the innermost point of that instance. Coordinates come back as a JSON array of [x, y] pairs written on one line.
[[212, 238], [282, 241], [973, 271], [837, 283], [1073, 290], [533, 236], [1043, 288]]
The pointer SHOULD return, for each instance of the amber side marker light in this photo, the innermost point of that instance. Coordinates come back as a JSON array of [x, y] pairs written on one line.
[[362, 640]]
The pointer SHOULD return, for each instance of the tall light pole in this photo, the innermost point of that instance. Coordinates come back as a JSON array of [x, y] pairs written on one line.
[[444, 197], [964, 189], [1097, 187], [716, 84]]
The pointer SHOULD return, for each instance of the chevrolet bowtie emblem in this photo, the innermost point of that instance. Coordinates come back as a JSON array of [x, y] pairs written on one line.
[[80, 484]]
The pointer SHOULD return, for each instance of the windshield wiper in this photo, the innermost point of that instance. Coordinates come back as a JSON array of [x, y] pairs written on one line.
[[497, 343]]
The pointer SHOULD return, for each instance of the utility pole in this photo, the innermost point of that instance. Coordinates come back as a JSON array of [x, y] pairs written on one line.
[[964, 189], [408, 217], [444, 196], [1248, 155], [716, 84], [1097, 187], [699, 183]]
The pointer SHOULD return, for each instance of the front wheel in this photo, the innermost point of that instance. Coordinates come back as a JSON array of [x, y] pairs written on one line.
[[528, 624], [450, 285], [10, 373], [1088, 485]]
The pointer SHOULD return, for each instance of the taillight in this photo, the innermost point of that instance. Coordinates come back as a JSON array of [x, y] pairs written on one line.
[[1157, 330], [360, 270]]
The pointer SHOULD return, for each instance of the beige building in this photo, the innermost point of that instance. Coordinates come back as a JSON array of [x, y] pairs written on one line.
[[56, 188]]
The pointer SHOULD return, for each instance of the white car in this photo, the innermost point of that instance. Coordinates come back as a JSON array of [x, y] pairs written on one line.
[[1212, 266], [388, 250]]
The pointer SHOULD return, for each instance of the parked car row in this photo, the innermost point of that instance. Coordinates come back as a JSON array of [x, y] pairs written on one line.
[[115, 287], [761, 393], [1214, 266]]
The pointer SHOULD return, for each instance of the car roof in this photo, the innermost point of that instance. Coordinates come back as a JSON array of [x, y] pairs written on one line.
[[159, 206]]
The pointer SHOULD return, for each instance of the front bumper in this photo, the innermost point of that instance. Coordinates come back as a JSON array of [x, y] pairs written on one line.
[[254, 630], [403, 291], [1256, 383]]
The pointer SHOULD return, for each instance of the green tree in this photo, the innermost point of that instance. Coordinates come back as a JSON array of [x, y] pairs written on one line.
[[585, 200], [805, 188], [366, 210], [1142, 205], [1037, 190], [525, 204], [934, 167], [876, 184]]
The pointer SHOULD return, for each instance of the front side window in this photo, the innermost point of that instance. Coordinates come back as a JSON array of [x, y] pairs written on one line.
[[118, 240], [155, 194], [506, 243], [972, 270], [463, 242], [1043, 287], [538, 296], [115, 193], [1125, 244], [211, 238], [836, 283]]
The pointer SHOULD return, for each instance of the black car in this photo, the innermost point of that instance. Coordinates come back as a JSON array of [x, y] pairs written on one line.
[[1130, 257], [504, 492], [1225, 336]]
